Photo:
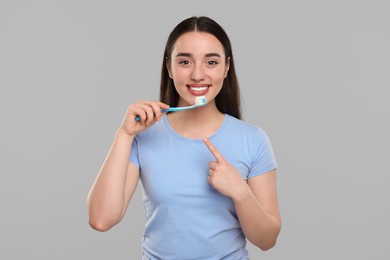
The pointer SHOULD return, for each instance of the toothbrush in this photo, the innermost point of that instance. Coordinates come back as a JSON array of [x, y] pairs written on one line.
[[199, 101]]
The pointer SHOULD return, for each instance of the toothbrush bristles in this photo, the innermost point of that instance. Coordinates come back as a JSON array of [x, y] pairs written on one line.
[[200, 101]]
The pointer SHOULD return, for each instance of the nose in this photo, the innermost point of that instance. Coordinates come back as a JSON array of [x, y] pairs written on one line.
[[197, 73]]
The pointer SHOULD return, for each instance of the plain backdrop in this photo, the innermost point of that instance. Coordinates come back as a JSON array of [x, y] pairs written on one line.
[[313, 74]]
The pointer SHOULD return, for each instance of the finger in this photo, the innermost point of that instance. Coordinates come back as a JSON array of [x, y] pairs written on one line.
[[213, 165], [210, 177], [163, 105], [137, 111], [147, 111], [157, 110], [150, 115], [213, 150]]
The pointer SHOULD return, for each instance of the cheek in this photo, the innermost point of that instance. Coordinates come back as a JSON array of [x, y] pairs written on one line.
[[178, 80], [178, 74], [219, 76]]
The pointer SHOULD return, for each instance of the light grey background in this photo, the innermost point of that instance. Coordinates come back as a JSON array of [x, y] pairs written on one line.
[[314, 75]]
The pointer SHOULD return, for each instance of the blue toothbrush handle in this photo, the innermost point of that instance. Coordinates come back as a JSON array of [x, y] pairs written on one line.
[[137, 118], [171, 109]]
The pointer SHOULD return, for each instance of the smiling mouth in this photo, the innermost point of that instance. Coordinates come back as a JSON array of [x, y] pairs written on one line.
[[198, 90]]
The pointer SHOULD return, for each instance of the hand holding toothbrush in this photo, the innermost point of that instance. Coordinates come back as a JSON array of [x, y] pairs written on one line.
[[148, 112], [199, 101], [143, 114]]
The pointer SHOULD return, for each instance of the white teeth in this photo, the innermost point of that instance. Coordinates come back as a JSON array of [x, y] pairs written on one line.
[[198, 88]]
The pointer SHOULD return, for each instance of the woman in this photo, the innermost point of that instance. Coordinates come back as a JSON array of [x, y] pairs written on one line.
[[209, 178]]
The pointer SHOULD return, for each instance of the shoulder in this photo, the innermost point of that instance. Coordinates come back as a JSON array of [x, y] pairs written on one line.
[[247, 147], [245, 128], [248, 135]]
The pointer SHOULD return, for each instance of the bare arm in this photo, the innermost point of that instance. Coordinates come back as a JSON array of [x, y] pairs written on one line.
[[117, 179], [114, 186], [257, 209]]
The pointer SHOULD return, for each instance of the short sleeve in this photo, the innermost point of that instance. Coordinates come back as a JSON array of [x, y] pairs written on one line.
[[134, 153], [263, 158]]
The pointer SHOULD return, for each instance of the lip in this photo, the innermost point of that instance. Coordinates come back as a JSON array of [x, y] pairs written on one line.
[[198, 89]]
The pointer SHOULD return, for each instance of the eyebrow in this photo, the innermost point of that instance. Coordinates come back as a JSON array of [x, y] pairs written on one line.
[[186, 54]]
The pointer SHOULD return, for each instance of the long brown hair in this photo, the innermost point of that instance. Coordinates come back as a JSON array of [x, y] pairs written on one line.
[[228, 99]]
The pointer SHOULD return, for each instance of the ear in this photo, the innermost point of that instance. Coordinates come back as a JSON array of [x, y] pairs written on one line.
[[227, 67], [169, 70], [168, 66]]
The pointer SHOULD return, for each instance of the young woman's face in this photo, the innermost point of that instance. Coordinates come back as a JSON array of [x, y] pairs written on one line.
[[197, 67]]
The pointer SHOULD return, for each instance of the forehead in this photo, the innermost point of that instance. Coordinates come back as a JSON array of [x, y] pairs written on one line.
[[198, 43]]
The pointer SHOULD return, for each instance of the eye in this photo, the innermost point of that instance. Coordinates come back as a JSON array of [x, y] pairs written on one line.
[[184, 62], [212, 63]]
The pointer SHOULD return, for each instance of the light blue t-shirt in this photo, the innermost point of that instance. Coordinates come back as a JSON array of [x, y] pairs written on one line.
[[186, 218]]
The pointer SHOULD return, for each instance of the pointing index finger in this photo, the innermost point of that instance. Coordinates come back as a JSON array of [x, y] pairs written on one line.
[[213, 150]]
